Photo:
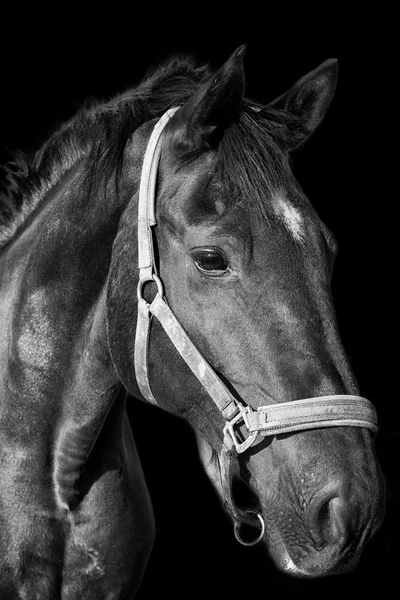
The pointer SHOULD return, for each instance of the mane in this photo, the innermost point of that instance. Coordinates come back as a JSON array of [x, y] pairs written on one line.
[[100, 132]]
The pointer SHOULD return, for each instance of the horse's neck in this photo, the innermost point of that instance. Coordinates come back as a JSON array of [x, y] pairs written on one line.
[[54, 358], [52, 282]]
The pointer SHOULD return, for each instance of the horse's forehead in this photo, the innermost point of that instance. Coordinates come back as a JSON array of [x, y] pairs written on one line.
[[281, 210], [228, 210]]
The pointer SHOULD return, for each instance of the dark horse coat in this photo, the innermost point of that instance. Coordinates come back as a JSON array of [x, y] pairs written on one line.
[[246, 264]]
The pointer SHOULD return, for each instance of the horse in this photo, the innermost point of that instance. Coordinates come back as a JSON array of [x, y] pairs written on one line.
[[158, 248]]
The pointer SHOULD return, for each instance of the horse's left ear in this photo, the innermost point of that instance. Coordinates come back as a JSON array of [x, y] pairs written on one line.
[[309, 99], [216, 103]]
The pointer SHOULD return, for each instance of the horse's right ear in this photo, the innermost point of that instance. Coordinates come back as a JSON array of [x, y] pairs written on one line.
[[215, 104], [309, 100]]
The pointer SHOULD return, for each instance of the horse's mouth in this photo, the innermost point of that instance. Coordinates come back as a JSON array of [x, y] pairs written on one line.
[[314, 564]]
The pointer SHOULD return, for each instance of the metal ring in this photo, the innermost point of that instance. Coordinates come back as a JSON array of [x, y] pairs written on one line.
[[260, 536], [157, 281]]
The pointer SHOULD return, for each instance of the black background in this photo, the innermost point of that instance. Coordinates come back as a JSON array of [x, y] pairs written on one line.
[[52, 62]]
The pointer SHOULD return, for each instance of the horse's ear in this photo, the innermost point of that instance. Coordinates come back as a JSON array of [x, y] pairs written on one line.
[[309, 99], [216, 103]]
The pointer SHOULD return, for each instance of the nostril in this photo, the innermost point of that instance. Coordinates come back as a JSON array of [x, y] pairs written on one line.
[[319, 522], [329, 520], [324, 515]]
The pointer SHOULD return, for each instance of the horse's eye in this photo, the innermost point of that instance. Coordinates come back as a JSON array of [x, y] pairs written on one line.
[[210, 260]]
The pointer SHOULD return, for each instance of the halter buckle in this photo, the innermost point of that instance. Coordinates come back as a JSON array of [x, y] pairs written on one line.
[[146, 279], [229, 429]]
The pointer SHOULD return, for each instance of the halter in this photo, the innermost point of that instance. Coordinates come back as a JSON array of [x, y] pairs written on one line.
[[298, 415]]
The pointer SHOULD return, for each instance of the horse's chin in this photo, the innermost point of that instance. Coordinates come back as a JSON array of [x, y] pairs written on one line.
[[312, 564]]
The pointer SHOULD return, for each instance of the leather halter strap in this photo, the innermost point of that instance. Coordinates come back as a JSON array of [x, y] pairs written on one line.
[[297, 415]]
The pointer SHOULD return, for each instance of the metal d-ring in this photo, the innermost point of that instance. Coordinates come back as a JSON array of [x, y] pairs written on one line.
[[157, 281], [260, 536]]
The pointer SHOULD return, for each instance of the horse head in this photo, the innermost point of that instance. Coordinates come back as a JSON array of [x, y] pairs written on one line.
[[245, 263]]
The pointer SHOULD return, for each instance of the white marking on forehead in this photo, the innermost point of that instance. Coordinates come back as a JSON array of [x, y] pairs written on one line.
[[290, 215], [219, 207]]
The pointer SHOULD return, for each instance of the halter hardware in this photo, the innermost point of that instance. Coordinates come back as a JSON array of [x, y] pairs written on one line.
[[269, 420], [231, 427], [148, 279], [260, 536]]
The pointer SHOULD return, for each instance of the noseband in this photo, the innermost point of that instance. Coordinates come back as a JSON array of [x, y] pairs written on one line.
[[297, 415]]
